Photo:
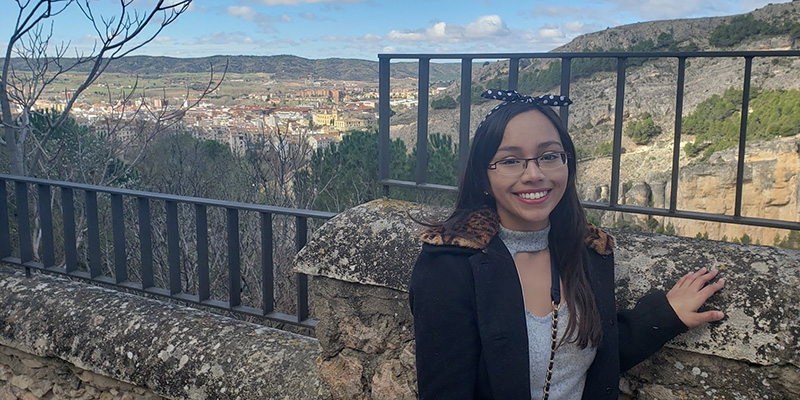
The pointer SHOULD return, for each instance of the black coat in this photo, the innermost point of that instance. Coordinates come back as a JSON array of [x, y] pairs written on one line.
[[471, 336]]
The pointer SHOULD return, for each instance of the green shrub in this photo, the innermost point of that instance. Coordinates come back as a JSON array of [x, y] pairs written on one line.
[[746, 27], [443, 103], [604, 149], [790, 241], [669, 230], [703, 235], [716, 122], [643, 130], [652, 224]]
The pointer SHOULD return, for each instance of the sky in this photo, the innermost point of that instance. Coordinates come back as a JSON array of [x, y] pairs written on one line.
[[362, 29]]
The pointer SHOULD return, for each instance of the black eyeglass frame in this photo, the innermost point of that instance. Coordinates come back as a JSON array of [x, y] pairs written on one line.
[[565, 156]]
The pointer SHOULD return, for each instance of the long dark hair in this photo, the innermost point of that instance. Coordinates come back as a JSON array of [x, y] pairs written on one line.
[[567, 219]]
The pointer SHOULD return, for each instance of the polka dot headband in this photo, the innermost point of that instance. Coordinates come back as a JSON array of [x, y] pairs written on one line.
[[512, 96]]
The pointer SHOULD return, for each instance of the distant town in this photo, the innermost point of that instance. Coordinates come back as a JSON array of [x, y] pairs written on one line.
[[317, 111]]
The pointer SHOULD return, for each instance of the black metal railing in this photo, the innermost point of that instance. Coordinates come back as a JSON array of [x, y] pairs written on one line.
[[17, 236], [566, 59]]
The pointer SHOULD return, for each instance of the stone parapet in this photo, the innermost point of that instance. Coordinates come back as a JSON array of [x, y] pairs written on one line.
[[362, 260], [150, 348]]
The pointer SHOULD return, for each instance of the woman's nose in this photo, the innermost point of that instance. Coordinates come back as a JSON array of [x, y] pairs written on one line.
[[531, 172]]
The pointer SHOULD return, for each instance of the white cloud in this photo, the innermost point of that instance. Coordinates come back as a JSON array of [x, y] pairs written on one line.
[[308, 15], [263, 21], [194, 7], [296, 2], [574, 27], [406, 36], [163, 39], [389, 49], [244, 12], [438, 30], [371, 37], [485, 27], [551, 33]]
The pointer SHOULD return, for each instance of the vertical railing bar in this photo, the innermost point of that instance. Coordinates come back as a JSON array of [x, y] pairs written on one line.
[[70, 241], [566, 72], [234, 273], [118, 223], [383, 121], [513, 73], [5, 228], [23, 222], [267, 265], [422, 120], [302, 279], [173, 248], [146, 242], [676, 146], [464, 115], [93, 238], [203, 277], [618, 113], [46, 215], [748, 70]]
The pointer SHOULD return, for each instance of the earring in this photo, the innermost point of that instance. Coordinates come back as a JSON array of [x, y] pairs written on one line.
[[485, 193]]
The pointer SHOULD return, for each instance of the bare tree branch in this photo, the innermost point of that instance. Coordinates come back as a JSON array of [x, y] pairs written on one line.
[[40, 63]]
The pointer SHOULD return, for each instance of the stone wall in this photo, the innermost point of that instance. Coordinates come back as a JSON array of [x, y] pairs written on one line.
[[362, 260], [69, 340], [30, 377]]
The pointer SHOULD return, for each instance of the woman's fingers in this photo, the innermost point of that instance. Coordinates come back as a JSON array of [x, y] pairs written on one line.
[[712, 288], [694, 275], [709, 316], [683, 280], [704, 278]]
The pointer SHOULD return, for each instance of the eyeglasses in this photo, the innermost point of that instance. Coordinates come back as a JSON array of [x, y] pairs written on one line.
[[516, 166]]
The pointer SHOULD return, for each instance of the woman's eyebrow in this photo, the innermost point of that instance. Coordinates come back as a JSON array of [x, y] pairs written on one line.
[[542, 145], [509, 148], [550, 143]]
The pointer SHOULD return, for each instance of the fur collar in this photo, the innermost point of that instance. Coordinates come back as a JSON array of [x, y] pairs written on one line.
[[483, 224]]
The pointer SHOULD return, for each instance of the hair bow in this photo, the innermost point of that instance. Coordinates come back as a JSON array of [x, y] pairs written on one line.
[[512, 96]]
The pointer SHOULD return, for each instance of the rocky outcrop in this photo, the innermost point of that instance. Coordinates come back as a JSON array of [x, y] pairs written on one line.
[[365, 329], [771, 189], [166, 350]]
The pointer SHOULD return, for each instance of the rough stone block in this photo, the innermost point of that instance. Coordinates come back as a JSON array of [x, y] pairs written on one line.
[[362, 260]]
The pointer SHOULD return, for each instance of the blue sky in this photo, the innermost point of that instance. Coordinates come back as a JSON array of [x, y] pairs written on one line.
[[364, 28]]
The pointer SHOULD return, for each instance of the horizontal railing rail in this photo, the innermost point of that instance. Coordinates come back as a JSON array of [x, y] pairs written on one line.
[[424, 60], [46, 249]]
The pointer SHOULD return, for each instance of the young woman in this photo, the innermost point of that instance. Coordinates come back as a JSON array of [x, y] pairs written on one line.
[[513, 295]]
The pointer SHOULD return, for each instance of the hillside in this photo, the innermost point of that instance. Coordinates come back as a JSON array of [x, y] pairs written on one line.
[[650, 88], [650, 85], [283, 67]]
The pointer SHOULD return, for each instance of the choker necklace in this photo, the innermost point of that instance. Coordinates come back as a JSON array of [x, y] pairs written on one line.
[[525, 241]]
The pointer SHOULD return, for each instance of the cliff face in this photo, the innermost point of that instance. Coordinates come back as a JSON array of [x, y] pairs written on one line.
[[770, 189]]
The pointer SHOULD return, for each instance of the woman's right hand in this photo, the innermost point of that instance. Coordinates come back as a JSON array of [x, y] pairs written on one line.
[[690, 292]]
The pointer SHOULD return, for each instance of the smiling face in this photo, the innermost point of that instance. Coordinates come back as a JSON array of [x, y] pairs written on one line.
[[524, 202]]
